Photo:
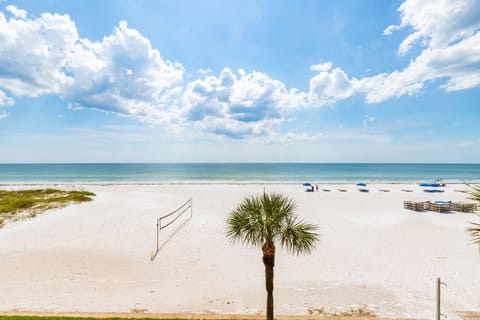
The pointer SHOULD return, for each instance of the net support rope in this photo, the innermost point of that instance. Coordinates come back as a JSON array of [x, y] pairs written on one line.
[[174, 215]]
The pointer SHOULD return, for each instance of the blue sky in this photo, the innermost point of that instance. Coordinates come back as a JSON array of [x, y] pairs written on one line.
[[240, 81]]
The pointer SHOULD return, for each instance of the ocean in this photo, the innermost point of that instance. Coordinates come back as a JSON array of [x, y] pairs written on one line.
[[236, 172]]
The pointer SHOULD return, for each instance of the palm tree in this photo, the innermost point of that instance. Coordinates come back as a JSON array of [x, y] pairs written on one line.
[[474, 229], [262, 221]]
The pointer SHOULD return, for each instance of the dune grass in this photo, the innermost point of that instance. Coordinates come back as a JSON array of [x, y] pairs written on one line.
[[23, 204]]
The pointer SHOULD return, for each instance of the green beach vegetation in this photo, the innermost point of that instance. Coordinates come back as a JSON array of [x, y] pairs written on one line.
[[264, 220], [23, 204]]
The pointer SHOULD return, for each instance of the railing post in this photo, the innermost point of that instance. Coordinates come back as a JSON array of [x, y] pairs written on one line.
[[438, 299], [158, 230], [439, 285]]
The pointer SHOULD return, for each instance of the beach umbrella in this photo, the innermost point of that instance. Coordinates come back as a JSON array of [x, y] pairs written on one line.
[[361, 184], [306, 184]]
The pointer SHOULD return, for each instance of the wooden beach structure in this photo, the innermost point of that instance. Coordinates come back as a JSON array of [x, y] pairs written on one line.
[[440, 206], [414, 206]]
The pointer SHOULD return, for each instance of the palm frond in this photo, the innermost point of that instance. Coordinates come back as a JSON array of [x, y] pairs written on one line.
[[277, 209], [474, 194], [299, 237], [474, 232], [262, 219], [245, 222]]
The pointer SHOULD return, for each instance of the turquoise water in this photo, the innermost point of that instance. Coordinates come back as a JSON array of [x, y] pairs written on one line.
[[290, 172]]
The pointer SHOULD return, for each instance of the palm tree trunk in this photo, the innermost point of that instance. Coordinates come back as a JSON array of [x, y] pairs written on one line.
[[269, 262]]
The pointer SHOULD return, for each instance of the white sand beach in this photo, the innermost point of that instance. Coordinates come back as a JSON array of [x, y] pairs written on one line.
[[96, 256]]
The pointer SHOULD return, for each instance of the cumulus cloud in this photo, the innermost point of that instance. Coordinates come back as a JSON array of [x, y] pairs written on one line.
[[123, 74], [239, 105], [329, 85], [34, 52]]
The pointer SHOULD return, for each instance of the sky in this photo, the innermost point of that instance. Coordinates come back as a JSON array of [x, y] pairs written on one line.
[[240, 81]]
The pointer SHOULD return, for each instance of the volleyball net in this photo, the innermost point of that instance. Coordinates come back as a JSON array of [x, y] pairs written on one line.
[[167, 225]]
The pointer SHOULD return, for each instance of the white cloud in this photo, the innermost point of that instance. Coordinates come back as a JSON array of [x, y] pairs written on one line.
[[329, 85], [323, 67], [448, 31], [385, 86], [450, 34], [437, 24], [238, 106], [34, 52], [123, 74], [5, 100], [204, 72], [3, 115], [17, 13], [390, 30], [459, 63]]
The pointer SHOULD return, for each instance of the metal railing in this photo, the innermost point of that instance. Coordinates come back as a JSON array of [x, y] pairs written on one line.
[[438, 312]]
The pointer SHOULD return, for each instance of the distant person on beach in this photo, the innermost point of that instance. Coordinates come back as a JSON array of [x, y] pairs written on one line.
[[316, 187]]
